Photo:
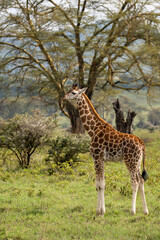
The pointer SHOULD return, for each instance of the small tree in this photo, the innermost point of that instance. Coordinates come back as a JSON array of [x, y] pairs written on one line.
[[24, 133]]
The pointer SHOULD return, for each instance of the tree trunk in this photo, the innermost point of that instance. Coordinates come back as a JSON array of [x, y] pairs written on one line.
[[122, 125], [76, 123]]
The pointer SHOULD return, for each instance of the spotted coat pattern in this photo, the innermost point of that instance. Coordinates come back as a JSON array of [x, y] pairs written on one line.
[[107, 144]]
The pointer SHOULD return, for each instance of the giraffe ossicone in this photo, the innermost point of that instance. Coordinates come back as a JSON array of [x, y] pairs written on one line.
[[109, 144]]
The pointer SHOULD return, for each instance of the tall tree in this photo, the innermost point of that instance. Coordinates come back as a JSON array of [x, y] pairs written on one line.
[[45, 46]]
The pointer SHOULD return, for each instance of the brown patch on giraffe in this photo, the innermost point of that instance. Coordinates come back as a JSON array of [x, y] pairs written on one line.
[[106, 137], [89, 117], [94, 145], [86, 127], [100, 134], [101, 140], [111, 137], [88, 122], [81, 112], [128, 145], [101, 127], [110, 144], [86, 111], [111, 149], [96, 139], [92, 122], [125, 150], [116, 141], [90, 133], [83, 118], [96, 151], [107, 148], [96, 157], [132, 146], [114, 146]]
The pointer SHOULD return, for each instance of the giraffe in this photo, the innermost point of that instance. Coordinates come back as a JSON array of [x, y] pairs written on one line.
[[109, 144]]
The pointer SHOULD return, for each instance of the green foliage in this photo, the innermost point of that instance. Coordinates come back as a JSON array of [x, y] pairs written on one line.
[[64, 151], [24, 133], [36, 206], [154, 116]]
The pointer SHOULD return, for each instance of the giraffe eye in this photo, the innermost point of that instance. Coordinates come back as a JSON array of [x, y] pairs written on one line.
[[73, 93]]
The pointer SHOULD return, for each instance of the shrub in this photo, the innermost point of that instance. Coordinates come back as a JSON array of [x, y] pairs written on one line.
[[24, 133], [154, 116], [66, 149]]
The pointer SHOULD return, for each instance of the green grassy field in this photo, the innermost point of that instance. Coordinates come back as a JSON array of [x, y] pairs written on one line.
[[36, 206]]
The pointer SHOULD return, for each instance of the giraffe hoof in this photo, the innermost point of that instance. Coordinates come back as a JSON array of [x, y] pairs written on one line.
[[100, 212], [132, 212], [146, 212]]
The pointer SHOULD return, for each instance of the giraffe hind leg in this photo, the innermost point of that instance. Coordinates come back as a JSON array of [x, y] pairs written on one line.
[[135, 178], [135, 186], [138, 183], [142, 193]]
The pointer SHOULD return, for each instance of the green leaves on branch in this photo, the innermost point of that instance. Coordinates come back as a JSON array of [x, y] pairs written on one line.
[[66, 149]]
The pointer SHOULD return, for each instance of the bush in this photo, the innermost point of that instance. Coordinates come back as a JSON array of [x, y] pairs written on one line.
[[154, 116], [24, 133], [66, 149]]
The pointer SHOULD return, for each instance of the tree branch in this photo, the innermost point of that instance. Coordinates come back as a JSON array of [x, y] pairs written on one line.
[[64, 13], [45, 70]]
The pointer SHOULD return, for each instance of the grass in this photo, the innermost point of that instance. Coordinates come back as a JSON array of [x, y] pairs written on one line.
[[35, 206]]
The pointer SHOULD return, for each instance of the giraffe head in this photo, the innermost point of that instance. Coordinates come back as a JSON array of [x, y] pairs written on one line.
[[74, 93]]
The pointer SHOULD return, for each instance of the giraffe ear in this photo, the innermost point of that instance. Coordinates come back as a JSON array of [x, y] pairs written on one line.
[[82, 90]]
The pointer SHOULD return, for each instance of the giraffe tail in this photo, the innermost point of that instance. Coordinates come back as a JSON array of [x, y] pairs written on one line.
[[145, 175]]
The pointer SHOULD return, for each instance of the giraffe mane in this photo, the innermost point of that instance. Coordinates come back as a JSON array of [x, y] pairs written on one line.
[[90, 104]]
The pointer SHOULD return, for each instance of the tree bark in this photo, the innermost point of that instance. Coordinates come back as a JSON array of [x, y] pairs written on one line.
[[122, 125], [76, 123]]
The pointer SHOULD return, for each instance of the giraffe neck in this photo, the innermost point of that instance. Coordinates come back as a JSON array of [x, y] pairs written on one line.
[[89, 116]]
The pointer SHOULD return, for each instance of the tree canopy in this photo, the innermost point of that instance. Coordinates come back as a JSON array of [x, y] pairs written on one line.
[[45, 45]]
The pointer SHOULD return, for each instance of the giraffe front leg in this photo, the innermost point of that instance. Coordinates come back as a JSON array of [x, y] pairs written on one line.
[[100, 186], [100, 180]]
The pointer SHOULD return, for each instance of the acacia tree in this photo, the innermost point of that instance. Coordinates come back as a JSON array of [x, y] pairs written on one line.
[[45, 46], [24, 133]]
